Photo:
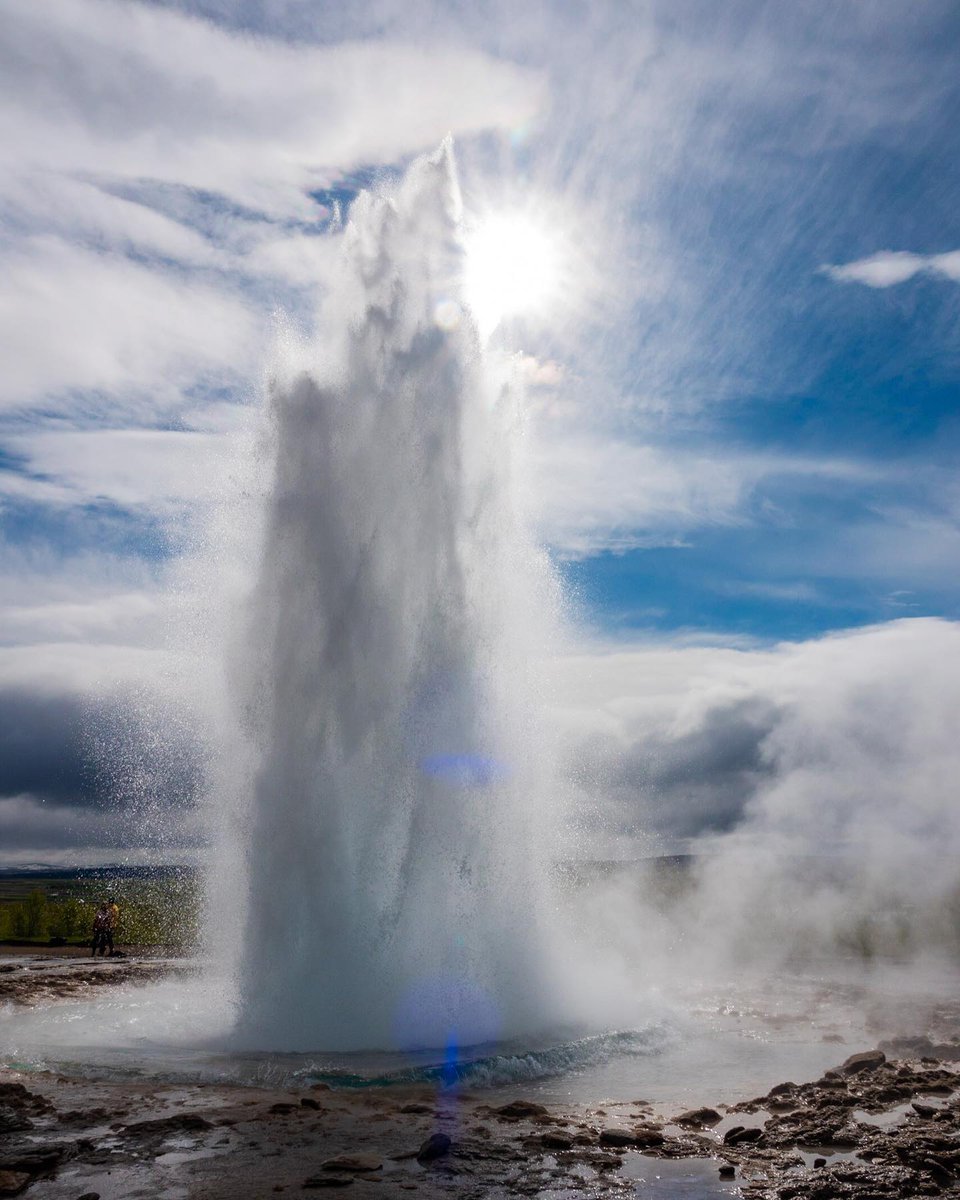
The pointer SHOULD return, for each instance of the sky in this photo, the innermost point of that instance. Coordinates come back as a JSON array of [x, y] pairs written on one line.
[[742, 398]]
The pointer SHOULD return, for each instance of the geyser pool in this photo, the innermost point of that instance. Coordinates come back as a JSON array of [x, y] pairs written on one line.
[[386, 846]]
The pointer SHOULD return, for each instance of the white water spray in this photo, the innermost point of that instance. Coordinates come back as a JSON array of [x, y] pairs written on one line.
[[395, 832]]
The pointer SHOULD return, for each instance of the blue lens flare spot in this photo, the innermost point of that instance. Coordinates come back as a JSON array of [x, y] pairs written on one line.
[[465, 770]]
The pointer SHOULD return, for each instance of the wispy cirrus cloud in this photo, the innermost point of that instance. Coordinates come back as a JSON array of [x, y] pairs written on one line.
[[890, 267]]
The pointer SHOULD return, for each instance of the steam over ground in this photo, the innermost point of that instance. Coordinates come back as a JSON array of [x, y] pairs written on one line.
[[815, 783]]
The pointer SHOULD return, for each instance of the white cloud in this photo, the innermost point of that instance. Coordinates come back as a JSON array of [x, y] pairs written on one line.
[[72, 320], [145, 93], [161, 470], [592, 493], [890, 267]]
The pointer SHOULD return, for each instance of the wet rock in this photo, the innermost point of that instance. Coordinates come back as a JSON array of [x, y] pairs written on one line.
[[646, 1137], [283, 1108], [697, 1117], [436, 1146], [520, 1110], [617, 1137], [869, 1060], [16, 1096], [555, 1140], [417, 1108], [939, 1172], [309, 1102], [328, 1181], [13, 1120], [604, 1162], [819, 1162], [13, 1182], [179, 1122], [89, 1196], [739, 1135], [352, 1164], [727, 1171]]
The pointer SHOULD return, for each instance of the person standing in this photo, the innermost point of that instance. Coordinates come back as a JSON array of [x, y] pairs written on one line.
[[101, 930], [113, 924]]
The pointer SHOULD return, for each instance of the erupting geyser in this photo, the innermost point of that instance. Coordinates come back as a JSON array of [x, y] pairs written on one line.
[[395, 831]]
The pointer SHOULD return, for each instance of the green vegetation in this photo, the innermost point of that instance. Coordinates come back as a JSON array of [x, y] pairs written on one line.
[[161, 911]]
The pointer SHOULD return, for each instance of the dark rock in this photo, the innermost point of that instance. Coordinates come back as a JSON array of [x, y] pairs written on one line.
[[520, 1110], [727, 1171], [12, 1183], [617, 1137], [283, 1108], [939, 1172], [165, 1125], [328, 1181], [15, 1095], [869, 1060], [605, 1162], [417, 1108], [819, 1162], [89, 1196], [555, 1140], [309, 1102], [698, 1117], [738, 1135], [646, 1137], [320, 1087], [13, 1120], [436, 1146], [782, 1088]]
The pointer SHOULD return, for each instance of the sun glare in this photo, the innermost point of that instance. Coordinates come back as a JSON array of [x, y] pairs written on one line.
[[512, 269]]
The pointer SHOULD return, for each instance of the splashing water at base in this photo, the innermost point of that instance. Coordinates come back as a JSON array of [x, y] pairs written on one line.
[[389, 830]]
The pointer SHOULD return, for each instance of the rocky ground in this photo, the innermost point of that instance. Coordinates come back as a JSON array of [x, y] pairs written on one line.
[[30, 979], [883, 1124]]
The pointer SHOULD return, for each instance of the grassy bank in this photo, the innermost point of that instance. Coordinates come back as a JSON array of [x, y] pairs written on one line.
[[161, 910]]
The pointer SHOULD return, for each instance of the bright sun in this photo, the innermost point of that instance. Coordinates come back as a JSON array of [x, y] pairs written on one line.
[[512, 269]]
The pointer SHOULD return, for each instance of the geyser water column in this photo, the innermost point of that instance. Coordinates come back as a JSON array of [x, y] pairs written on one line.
[[397, 822]]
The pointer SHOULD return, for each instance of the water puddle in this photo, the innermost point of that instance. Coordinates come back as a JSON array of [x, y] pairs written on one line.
[[892, 1118], [678, 1179], [176, 1158]]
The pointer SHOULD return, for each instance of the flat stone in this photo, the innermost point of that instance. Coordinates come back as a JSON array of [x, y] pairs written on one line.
[[354, 1163], [698, 1116], [869, 1060], [166, 1125], [328, 1181], [518, 1110]]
